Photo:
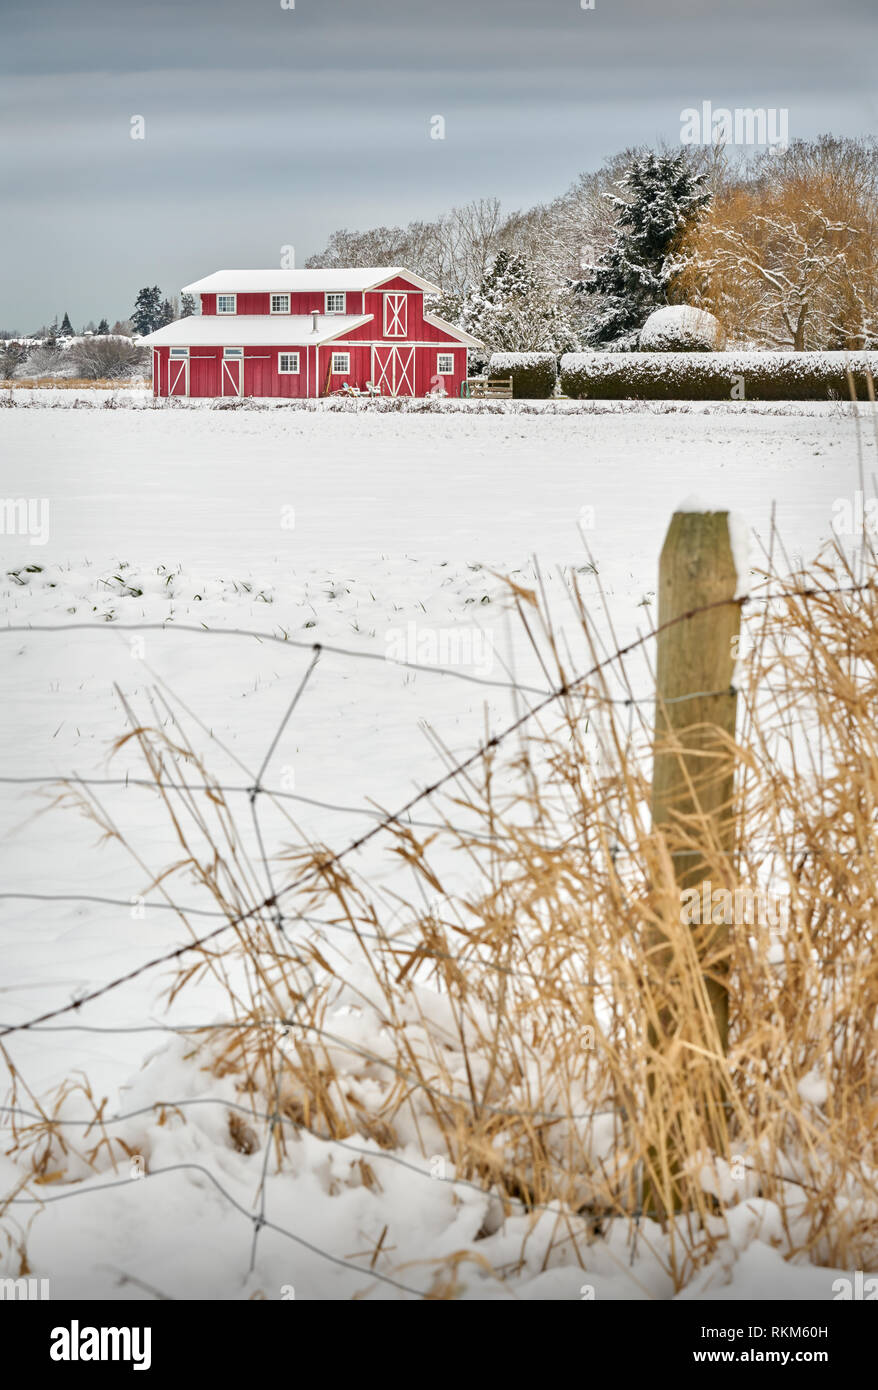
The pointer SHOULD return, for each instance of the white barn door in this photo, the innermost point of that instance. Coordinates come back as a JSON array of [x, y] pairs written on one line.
[[231, 378], [178, 376], [393, 370]]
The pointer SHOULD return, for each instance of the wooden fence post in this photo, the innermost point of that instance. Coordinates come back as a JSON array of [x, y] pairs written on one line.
[[693, 784]]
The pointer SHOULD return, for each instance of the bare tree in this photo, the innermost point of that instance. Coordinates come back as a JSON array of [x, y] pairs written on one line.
[[107, 359], [790, 259]]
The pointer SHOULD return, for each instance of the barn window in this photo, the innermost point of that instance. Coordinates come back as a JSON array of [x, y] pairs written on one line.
[[179, 352], [233, 352], [445, 364], [335, 303], [288, 363], [280, 303], [226, 303], [341, 363]]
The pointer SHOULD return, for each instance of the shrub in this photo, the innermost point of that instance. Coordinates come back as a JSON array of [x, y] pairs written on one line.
[[12, 357], [45, 361], [534, 374], [680, 328], [107, 359], [716, 376]]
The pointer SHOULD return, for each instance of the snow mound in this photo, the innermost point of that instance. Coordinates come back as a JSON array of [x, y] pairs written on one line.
[[680, 328]]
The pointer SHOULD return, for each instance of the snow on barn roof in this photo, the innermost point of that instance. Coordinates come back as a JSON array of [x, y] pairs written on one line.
[[252, 330], [300, 281]]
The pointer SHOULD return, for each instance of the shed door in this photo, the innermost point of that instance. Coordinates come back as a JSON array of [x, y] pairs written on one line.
[[178, 376], [393, 370], [231, 376]]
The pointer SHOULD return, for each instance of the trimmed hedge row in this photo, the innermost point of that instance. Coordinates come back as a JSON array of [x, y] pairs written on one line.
[[533, 373], [716, 376]]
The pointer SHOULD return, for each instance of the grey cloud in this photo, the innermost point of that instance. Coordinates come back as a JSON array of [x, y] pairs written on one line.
[[266, 125]]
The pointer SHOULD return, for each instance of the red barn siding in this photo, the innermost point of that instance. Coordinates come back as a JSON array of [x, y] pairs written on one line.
[[252, 304], [262, 378], [302, 303], [359, 374], [428, 375], [204, 372]]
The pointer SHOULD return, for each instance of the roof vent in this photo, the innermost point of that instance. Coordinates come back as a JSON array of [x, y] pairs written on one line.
[[314, 315]]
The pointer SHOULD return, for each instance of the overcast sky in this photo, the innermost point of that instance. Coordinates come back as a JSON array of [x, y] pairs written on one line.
[[267, 126]]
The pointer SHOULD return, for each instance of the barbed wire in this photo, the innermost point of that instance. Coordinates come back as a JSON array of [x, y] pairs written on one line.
[[271, 902], [49, 779], [259, 1222], [483, 751], [278, 1117], [316, 647]]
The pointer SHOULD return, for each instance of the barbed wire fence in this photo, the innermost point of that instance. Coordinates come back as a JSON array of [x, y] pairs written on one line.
[[282, 1027]]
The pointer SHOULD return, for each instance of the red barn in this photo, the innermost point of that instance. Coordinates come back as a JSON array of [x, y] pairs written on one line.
[[298, 333]]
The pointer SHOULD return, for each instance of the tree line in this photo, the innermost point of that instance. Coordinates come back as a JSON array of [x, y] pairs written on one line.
[[781, 246], [99, 352]]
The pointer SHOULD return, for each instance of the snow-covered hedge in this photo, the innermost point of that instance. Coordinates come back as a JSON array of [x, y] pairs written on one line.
[[716, 376], [681, 328], [533, 373]]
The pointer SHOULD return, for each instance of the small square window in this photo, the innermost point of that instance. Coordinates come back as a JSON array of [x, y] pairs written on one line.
[[280, 303], [226, 303], [341, 363], [445, 364], [335, 303], [288, 363]]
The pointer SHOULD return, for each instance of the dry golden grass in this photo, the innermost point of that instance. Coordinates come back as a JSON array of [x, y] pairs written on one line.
[[76, 383], [519, 1018]]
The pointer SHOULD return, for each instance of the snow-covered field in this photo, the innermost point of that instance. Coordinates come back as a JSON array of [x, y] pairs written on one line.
[[382, 534]]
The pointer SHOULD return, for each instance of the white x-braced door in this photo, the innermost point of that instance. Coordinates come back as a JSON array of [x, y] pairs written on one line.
[[178, 376], [232, 367], [396, 315], [393, 370]]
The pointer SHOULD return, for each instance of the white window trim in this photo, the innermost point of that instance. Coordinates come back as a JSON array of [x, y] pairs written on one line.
[[444, 371], [335, 294], [233, 354], [341, 371], [279, 294], [289, 371], [233, 298], [179, 352]]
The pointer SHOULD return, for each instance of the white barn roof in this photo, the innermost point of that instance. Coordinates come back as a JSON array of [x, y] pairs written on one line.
[[301, 281], [253, 330]]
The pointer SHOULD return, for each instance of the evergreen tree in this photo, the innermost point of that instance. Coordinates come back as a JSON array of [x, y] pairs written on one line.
[[514, 310], [103, 328], [167, 313], [187, 306], [66, 329], [634, 275], [147, 310]]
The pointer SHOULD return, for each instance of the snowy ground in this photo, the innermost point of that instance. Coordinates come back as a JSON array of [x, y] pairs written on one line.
[[377, 533]]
